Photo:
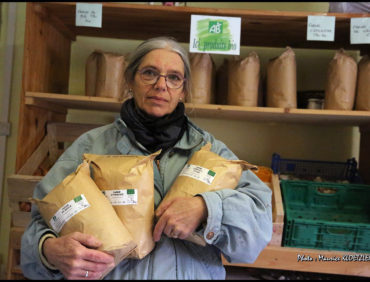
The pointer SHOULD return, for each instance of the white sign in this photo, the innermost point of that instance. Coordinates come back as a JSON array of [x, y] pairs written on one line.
[[214, 34], [88, 14], [320, 28], [360, 30]]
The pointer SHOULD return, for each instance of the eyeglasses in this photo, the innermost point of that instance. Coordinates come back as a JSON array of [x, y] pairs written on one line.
[[151, 76]]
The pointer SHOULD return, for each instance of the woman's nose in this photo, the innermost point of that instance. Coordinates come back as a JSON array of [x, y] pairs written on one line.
[[161, 83]]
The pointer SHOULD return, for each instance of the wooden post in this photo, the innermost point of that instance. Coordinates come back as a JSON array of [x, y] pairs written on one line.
[[45, 69]]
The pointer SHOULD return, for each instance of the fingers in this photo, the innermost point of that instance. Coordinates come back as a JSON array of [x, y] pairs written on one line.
[[162, 207], [87, 240]]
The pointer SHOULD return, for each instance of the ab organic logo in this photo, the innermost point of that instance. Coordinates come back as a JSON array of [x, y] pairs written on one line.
[[213, 35], [215, 27]]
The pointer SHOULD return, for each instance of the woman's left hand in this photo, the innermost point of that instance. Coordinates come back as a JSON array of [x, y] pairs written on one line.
[[179, 217]]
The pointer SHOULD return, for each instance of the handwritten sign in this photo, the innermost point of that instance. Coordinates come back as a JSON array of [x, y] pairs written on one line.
[[360, 30], [320, 28], [88, 14], [214, 34]]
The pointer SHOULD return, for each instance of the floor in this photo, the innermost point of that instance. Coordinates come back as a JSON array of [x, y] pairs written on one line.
[[243, 273]]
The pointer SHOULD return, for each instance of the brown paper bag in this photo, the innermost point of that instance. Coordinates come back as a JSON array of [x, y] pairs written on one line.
[[206, 171], [244, 81], [203, 79], [222, 83], [105, 75], [128, 182], [341, 82], [77, 204], [282, 81], [363, 85]]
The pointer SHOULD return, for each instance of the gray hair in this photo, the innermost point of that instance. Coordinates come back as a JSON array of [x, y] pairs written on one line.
[[161, 42]]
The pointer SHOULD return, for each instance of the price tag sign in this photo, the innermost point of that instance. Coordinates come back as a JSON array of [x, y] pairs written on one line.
[[320, 28], [214, 34], [88, 14], [360, 30]]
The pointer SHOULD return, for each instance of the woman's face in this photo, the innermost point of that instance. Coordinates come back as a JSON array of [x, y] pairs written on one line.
[[157, 99]]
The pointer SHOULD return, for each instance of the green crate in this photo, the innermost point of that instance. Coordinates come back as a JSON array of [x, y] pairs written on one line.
[[323, 215]]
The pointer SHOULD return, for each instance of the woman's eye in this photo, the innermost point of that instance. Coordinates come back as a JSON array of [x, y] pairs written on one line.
[[150, 72], [174, 77]]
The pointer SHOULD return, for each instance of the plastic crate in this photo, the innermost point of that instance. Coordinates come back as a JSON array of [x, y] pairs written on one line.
[[326, 215], [310, 169]]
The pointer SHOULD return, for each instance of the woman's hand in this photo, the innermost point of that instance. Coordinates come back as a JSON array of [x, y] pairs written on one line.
[[74, 255], [179, 217]]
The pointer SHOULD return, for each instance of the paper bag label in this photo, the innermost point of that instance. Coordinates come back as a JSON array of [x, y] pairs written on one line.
[[199, 173], [66, 212], [121, 197]]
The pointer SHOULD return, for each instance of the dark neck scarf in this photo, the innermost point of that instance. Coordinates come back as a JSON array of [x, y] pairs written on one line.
[[153, 132]]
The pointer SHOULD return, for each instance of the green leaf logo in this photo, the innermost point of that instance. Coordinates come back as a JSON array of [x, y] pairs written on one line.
[[211, 173], [215, 27], [77, 199]]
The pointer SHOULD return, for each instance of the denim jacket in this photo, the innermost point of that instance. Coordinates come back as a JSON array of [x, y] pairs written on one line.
[[239, 219]]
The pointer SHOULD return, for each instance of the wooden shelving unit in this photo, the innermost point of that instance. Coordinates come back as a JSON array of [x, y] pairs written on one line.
[[49, 32], [62, 102]]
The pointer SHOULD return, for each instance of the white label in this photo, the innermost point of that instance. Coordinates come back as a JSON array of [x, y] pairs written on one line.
[[320, 28], [199, 173], [88, 14], [121, 197], [214, 34], [360, 30], [66, 212]]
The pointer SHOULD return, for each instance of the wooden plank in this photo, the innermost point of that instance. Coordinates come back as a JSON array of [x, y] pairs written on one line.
[[64, 132], [13, 252], [364, 158], [20, 187], [34, 161], [260, 114], [258, 28], [284, 258], [46, 69]]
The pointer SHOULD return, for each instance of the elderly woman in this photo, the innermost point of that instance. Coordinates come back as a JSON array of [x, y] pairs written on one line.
[[235, 223]]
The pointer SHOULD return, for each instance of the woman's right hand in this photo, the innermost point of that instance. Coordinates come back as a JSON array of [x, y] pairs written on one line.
[[74, 254]]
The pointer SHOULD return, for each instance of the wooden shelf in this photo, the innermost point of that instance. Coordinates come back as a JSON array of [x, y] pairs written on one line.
[[286, 258], [62, 102], [258, 28]]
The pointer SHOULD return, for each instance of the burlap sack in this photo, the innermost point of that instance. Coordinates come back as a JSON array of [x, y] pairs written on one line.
[[363, 85], [206, 171], [244, 81], [282, 81], [222, 83], [203, 79], [128, 182], [341, 82], [77, 204], [105, 75]]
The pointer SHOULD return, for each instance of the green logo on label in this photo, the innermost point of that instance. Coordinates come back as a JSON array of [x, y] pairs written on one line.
[[130, 191], [211, 173], [213, 35], [215, 27], [77, 199]]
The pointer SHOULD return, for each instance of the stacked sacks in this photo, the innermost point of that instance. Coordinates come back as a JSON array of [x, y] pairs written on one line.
[[206, 171], [128, 182], [77, 204]]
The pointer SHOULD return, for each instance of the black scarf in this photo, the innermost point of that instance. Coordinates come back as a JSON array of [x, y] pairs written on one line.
[[152, 132]]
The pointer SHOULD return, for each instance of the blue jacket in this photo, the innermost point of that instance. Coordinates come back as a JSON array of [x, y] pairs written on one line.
[[240, 220]]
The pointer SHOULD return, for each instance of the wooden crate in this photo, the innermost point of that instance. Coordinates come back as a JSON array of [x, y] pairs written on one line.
[[21, 185], [277, 211]]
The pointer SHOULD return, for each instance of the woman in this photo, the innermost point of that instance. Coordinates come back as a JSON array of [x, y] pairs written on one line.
[[236, 223]]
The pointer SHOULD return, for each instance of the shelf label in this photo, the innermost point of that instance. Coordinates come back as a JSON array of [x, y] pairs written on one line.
[[320, 28], [214, 34], [88, 14], [360, 30]]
